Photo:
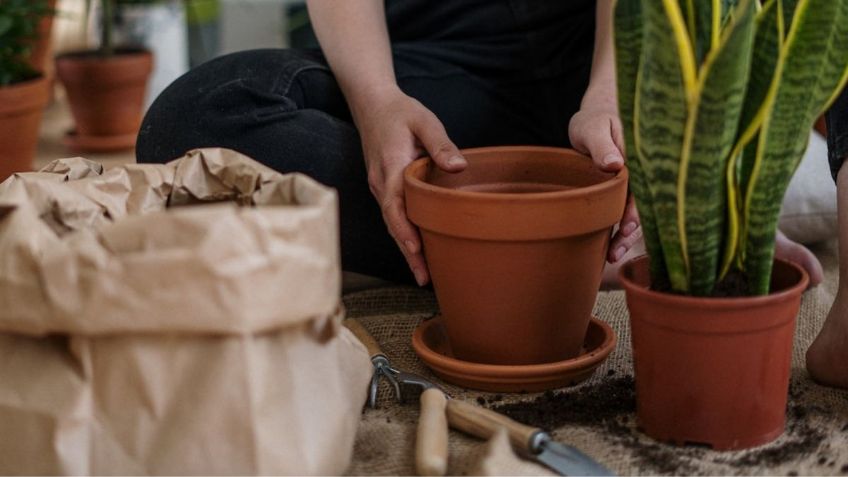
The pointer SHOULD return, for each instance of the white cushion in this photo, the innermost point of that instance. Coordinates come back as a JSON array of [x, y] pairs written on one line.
[[808, 214]]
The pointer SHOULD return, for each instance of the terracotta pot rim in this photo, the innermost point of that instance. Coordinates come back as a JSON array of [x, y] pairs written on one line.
[[92, 55], [411, 174], [718, 303], [524, 371], [41, 78], [120, 68]]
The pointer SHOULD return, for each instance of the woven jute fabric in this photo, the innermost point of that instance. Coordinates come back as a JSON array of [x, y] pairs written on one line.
[[815, 441]]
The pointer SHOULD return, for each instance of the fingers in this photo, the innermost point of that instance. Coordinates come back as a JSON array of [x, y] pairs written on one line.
[[409, 131], [629, 233], [432, 135], [597, 135], [387, 186]]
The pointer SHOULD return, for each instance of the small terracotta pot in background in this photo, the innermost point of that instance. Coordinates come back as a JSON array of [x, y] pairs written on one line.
[[712, 371], [21, 108], [515, 245], [106, 95]]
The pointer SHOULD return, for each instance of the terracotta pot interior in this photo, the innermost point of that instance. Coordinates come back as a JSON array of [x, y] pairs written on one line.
[[533, 173]]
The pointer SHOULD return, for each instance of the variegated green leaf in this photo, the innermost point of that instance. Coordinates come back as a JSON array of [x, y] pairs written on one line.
[[788, 8], [812, 65], [703, 22], [710, 133], [628, 41], [767, 42], [665, 82]]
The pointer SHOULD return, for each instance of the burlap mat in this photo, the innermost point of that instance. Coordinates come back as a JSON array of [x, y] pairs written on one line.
[[597, 416]]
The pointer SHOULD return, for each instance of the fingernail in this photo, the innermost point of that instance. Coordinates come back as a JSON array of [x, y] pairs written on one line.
[[628, 228], [620, 251], [610, 159], [410, 246], [457, 161], [419, 276]]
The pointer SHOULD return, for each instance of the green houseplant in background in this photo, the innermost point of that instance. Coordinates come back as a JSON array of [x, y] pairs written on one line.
[[106, 89], [716, 99], [24, 91]]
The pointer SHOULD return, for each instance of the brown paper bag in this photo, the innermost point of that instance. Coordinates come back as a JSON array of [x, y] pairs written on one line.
[[174, 319]]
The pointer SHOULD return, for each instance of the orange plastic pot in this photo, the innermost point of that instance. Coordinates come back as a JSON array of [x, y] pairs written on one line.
[[21, 108], [106, 93], [515, 245], [712, 371]]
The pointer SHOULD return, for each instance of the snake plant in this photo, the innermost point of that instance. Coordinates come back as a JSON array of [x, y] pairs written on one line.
[[716, 99]]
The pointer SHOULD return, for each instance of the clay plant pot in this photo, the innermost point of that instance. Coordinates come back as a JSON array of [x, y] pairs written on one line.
[[21, 108], [515, 245], [106, 95], [712, 371]]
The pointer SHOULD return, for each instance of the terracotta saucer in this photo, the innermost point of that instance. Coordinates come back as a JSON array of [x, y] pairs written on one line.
[[120, 142], [431, 344]]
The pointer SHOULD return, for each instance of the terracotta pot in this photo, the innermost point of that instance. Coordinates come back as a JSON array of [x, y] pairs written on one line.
[[712, 371], [515, 245], [21, 107], [106, 92]]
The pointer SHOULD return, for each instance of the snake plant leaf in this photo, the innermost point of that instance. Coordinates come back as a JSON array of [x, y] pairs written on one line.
[[666, 81], [703, 22], [811, 67], [627, 18], [788, 8], [767, 42], [709, 137]]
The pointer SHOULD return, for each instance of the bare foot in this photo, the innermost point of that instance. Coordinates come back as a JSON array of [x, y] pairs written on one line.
[[795, 252], [827, 357]]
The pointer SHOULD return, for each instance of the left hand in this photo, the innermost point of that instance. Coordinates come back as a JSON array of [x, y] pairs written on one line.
[[596, 131]]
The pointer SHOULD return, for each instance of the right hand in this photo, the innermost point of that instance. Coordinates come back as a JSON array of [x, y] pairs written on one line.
[[395, 130]]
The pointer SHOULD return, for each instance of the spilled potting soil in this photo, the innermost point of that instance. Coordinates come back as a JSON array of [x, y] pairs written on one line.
[[610, 407]]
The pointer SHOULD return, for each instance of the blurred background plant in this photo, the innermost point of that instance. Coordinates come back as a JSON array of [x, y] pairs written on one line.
[[19, 22]]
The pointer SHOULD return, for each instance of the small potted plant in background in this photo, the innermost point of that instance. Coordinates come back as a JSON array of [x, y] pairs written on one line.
[[716, 102], [24, 92], [106, 89]]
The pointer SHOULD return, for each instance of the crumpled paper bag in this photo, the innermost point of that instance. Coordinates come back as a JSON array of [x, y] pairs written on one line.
[[174, 319]]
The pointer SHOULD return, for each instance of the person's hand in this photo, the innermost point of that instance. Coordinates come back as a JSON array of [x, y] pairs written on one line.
[[395, 130], [597, 132]]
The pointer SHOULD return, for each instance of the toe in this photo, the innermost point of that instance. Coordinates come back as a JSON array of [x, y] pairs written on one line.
[[794, 252]]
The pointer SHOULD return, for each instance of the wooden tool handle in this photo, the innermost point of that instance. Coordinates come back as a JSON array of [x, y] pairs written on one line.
[[364, 336], [484, 423], [431, 444]]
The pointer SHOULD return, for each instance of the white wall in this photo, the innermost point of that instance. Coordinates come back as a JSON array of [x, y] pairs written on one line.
[[248, 24]]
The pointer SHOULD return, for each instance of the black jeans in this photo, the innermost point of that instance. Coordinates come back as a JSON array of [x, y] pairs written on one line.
[[285, 109], [837, 132]]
